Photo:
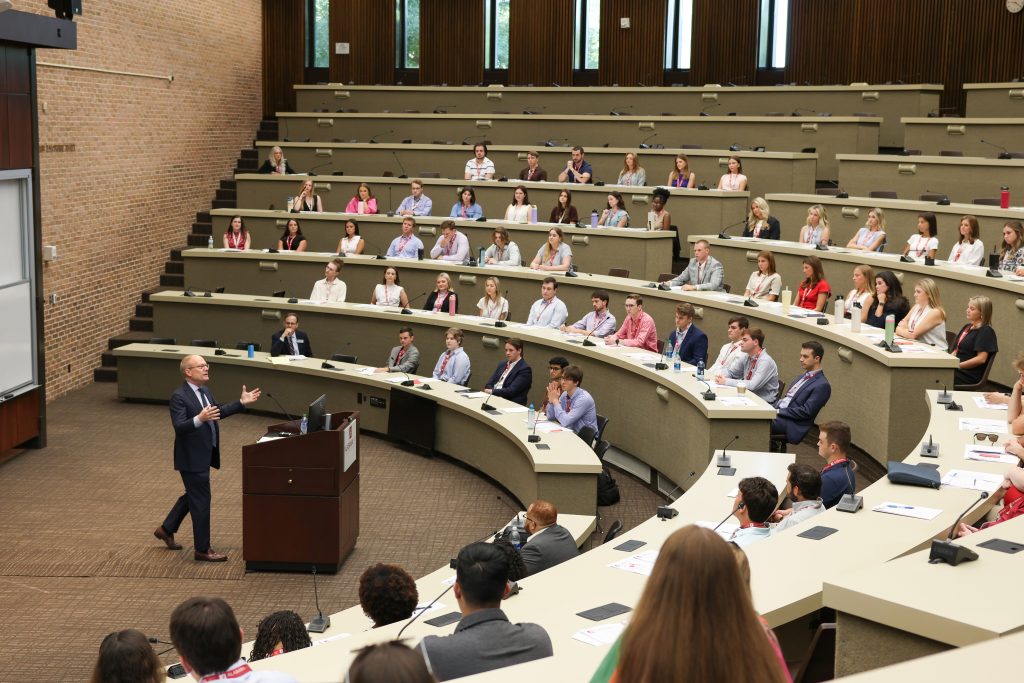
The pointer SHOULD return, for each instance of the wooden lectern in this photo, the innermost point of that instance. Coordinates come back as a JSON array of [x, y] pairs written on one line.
[[300, 498]]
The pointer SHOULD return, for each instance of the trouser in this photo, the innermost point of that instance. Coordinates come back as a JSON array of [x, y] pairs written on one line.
[[195, 501]]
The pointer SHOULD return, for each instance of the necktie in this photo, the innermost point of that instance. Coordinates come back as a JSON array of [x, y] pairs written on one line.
[[444, 364], [294, 344], [205, 400]]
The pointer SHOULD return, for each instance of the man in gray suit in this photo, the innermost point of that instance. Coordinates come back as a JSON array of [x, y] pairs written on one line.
[[704, 273], [484, 639], [549, 544], [405, 357]]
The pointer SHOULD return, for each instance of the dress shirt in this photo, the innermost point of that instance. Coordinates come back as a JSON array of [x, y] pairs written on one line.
[[472, 212], [706, 277], [324, 291], [204, 401], [456, 370], [601, 325], [419, 207], [638, 177], [788, 398], [752, 534], [920, 245], [457, 251], [551, 313], [405, 247], [970, 254], [388, 295], [730, 360], [762, 286], [538, 175], [640, 332], [555, 259], [761, 375], [802, 511], [575, 413], [404, 360], [479, 171], [518, 213], [507, 256]]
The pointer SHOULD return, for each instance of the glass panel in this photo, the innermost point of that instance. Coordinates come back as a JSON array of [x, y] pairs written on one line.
[[593, 34], [685, 33], [577, 35], [763, 28], [321, 33], [779, 38], [501, 34], [412, 34], [670, 34]]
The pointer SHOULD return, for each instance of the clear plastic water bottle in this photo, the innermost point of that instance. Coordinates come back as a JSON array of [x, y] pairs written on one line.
[[209, 242], [533, 214], [531, 418], [304, 425], [593, 218], [700, 369], [513, 538], [480, 259]]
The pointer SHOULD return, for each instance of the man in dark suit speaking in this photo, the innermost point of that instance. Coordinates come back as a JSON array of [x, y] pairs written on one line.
[[513, 378], [549, 543], [195, 417]]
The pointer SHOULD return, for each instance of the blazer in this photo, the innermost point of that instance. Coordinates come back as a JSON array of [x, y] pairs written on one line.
[[410, 361], [517, 384], [545, 550], [280, 348], [446, 303], [772, 233], [194, 449], [694, 347], [798, 417], [714, 274]]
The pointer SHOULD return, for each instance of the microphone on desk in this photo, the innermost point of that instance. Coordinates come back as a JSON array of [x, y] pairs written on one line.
[[618, 111], [850, 502], [533, 110], [643, 143], [476, 138], [406, 311], [313, 170], [534, 437], [704, 111], [707, 395], [934, 113], [586, 339], [723, 234], [443, 108], [373, 139], [1003, 154], [750, 303], [408, 381], [552, 142], [319, 623], [666, 512], [799, 111], [724, 461], [501, 323], [944, 395], [515, 523], [943, 201], [729, 516], [949, 552], [930, 449], [400, 166], [662, 364], [842, 194], [274, 399], [487, 407]]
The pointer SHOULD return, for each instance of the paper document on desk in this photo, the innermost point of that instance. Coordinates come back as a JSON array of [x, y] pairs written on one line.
[[642, 563], [979, 424], [370, 306], [982, 403], [367, 371], [979, 481], [475, 394], [450, 581], [735, 401], [914, 511], [989, 454], [427, 607], [549, 427], [516, 409], [725, 530], [644, 357], [330, 638], [285, 360], [605, 634]]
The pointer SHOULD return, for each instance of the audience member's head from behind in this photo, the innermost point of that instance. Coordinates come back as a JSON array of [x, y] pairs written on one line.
[[387, 594], [390, 662], [278, 633], [517, 568], [539, 515], [756, 500], [127, 657], [696, 600], [804, 482], [481, 577], [206, 635]]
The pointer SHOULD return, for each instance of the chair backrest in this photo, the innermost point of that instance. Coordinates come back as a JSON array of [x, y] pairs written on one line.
[[666, 276], [1016, 155], [986, 201], [781, 392], [931, 197], [912, 152], [727, 287], [345, 357], [601, 449], [614, 530], [243, 345], [827, 191], [883, 194], [984, 377], [618, 272], [162, 340], [950, 338], [602, 422], [691, 146], [950, 153], [587, 434], [430, 174], [206, 343]]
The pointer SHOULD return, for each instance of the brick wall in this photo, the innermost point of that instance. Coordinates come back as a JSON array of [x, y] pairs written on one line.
[[147, 155]]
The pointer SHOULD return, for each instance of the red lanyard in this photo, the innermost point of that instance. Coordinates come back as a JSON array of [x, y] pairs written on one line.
[[237, 672], [916, 319], [398, 358], [963, 334], [551, 261], [959, 248], [236, 243], [729, 353], [750, 372], [833, 464], [753, 525], [451, 243], [288, 242], [444, 363], [438, 302]]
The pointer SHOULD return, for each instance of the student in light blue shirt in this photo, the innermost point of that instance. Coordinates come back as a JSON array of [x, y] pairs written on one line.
[[467, 208], [572, 406], [417, 203], [406, 245], [453, 365]]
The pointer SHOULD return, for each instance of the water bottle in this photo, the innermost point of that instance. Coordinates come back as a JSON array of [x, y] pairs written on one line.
[[855, 317], [838, 311], [304, 425], [209, 242], [787, 297], [480, 258], [890, 328], [513, 538], [1004, 197], [531, 418], [533, 214], [251, 351], [700, 369], [593, 218], [451, 304]]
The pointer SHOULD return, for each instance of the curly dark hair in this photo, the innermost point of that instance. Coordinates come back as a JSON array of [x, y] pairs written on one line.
[[127, 657], [516, 567], [285, 627], [387, 594]]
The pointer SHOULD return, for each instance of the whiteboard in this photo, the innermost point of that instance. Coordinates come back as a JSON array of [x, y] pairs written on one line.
[[16, 335], [17, 300]]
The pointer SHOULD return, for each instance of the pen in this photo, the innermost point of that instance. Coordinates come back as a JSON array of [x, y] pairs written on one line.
[[899, 507]]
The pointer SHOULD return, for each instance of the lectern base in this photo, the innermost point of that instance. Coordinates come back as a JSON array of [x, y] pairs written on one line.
[[298, 567]]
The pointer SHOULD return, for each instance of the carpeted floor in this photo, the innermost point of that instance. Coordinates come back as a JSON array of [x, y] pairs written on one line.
[[79, 559]]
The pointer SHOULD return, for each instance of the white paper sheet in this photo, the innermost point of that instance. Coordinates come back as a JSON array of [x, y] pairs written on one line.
[[475, 394], [903, 510], [989, 454], [735, 401], [605, 634], [982, 403], [642, 563], [978, 481], [979, 424]]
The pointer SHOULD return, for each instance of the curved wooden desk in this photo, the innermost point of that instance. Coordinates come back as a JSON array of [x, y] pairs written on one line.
[[994, 100], [932, 135]]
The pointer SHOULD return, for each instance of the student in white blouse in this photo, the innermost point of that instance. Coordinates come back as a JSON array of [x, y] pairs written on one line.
[[331, 289], [503, 252], [764, 283], [926, 321], [492, 304], [863, 290], [390, 292], [924, 243], [351, 242], [968, 250], [817, 230], [519, 210]]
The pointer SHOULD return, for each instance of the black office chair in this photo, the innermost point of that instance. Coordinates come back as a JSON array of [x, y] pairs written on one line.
[[614, 530], [205, 343], [985, 201], [244, 345], [618, 272], [162, 340], [587, 434], [344, 358], [984, 377], [602, 422], [663, 277], [950, 153], [827, 191], [601, 449], [931, 197], [883, 194], [727, 287]]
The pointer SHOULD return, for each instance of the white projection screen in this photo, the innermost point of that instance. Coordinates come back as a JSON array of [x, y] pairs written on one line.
[[17, 307]]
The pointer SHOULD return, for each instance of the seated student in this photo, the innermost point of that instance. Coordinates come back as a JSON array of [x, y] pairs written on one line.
[[387, 594], [417, 203], [556, 366], [838, 476], [733, 180], [555, 254], [236, 236], [389, 292], [887, 300], [924, 243], [1011, 255], [863, 290], [453, 364], [307, 199], [484, 639], [405, 357], [451, 245], [703, 273], [549, 543], [759, 373], [503, 251], [1015, 407], [614, 215], [731, 358], [1013, 499], [638, 328], [571, 405], [389, 662], [968, 249], [806, 396], [363, 202], [513, 378], [687, 342], [479, 167], [695, 594], [872, 236], [577, 169], [817, 231], [406, 245], [442, 299], [599, 322], [658, 218], [351, 242], [761, 224], [292, 238], [519, 210], [548, 310], [632, 172], [275, 163], [755, 502], [290, 340], [331, 288], [813, 292], [764, 283], [208, 639], [466, 208], [533, 172], [492, 304], [681, 175], [804, 485], [126, 656], [975, 343], [926, 321], [277, 633], [564, 212]]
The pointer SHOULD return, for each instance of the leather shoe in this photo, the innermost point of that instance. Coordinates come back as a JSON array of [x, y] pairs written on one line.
[[210, 555], [167, 538]]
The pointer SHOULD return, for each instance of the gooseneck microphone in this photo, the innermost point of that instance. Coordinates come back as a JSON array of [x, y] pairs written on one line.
[[850, 502], [501, 323], [1003, 153], [407, 311], [728, 516], [487, 407], [319, 623], [373, 139], [278, 403], [400, 166], [724, 460], [949, 552], [586, 339], [704, 111], [643, 143], [724, 232], [316, 168], [708, 394]]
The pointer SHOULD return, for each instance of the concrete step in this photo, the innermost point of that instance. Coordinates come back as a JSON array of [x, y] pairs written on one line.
[[104, 374], [173, 280], [143, 309], [128, 338], [137, 324], [174, 267]]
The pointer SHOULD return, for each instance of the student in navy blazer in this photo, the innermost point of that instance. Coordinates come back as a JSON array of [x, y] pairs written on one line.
[[514, 375], [806, 396], [195, 416], [281, 342], [694, 344]]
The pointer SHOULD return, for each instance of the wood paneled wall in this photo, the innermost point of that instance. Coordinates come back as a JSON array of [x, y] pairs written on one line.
[[368, 26], [451, 42], [635, 55], [283, 56], [540, 42], [16, 139], [724, 44]]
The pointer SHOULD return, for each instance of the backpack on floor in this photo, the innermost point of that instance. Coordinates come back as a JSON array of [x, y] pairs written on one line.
[[607, 489]]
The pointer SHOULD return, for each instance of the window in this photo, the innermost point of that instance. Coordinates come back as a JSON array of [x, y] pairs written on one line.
[[318, 40], [678, 34], [586, 45], [496, 27], [772, 34], [407, 34]]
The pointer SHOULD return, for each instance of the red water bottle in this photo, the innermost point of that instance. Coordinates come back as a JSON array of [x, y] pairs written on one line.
[[1004, 197], [451, 304]]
